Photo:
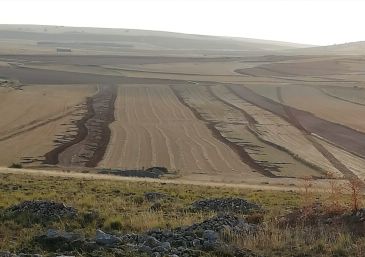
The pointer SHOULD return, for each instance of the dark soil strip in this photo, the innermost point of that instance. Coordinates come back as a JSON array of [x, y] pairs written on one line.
[[344, 137], [93, 133], [112, 59], [107, 117], [244, 156], [52, 156], [252, 122], [326, 154], [171, 73], [324, 91], [255, 72], [51, 77]]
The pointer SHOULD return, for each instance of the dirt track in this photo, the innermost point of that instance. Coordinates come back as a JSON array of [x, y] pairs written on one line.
[[110, 59], [283, 185], [49, 77], [344, 137]]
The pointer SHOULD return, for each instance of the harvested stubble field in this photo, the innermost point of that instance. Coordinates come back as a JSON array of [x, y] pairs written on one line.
[[189, 113], [300, 156], [325, 106], [344, 137], [153, 128], [35, 118], [225, 121], [350, 94]]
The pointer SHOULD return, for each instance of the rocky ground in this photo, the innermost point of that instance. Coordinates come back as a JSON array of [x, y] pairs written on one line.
[[10, 84], [85, 217], [153, 172], [198, 239], [234, 205], [41, 210]]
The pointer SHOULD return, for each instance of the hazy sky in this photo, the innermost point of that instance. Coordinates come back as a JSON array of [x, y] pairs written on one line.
[[303, 21]]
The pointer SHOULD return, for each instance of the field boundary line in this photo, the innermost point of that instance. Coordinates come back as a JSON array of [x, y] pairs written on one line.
[[239, 150]]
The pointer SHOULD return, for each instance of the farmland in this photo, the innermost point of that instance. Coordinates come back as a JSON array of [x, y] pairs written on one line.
[[153, 128], [41, 114], [233, 112]]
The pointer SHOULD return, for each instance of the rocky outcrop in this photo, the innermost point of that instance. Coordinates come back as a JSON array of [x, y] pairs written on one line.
[[8, 254], [195, 240], [42, 210], [225, 205], [153, 172], [192, 240], [103, 238]]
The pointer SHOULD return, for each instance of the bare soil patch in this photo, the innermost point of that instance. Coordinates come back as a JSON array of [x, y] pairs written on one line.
[[34, 118], [91, 141], [344, 137]]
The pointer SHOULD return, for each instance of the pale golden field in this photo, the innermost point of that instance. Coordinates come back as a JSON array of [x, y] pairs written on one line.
[[153, 128], [208, 109], [329, 108], [275, 130], [32, 118]]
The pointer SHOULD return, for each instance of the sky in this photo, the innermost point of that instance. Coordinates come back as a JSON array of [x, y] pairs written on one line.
[[316, 22]]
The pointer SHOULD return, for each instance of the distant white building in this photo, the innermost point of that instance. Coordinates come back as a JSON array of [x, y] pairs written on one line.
[[63, 50]]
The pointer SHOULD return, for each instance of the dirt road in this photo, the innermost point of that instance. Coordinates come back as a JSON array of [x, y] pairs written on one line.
[[284, 185]]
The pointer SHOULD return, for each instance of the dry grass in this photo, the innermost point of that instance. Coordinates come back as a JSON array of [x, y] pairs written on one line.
[[121, 208]]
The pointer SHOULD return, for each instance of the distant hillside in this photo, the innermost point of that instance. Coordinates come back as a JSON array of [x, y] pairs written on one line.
[[136, 39], [353, 48]]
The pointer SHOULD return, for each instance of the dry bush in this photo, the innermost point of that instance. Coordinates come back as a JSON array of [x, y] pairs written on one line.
[[299, 241], [307, 196], [333, 202], [355, 187]]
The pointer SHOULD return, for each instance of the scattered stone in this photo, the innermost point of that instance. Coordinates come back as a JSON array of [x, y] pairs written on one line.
[[103, 238], [210, 235], [360, 215], [204, 236], [155, 196], [153, 172], [57, 235], [224, 222], [42, 210], [29, 255], [54, 240], [226, 205], [7, 254], [156, 206], [191, 241]]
